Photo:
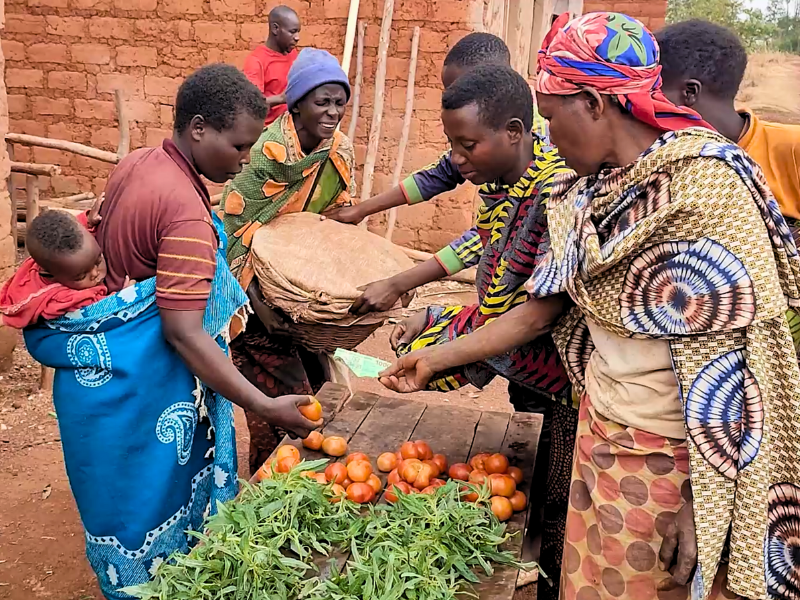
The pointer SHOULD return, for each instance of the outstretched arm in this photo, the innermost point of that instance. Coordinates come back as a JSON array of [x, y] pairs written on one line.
[[421, 186], [516, 328]]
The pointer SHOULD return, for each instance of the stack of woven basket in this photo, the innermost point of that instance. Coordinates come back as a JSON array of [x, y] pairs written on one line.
[[311, 269]]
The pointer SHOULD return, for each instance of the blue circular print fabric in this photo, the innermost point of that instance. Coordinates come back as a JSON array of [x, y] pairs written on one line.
[[682, 288]]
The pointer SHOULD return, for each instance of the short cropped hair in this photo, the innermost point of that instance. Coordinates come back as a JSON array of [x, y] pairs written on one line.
[[712, 54], [54, 233], [500, 93], [218, 93], [478, 49]]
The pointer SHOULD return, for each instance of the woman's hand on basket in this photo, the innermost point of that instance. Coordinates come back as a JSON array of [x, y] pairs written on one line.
[[351, 215], [407, 330], [410, 373], [284, 412], [678, 554], [378, 296]]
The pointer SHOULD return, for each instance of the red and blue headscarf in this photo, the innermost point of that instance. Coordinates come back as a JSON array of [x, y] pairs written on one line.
[[616, 55]]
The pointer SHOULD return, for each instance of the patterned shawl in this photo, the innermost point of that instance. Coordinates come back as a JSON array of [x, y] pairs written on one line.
[[282, 179], [616, 55], [688, 245]]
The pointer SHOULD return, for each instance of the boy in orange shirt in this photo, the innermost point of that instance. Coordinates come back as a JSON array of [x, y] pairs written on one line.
[[703, 65]]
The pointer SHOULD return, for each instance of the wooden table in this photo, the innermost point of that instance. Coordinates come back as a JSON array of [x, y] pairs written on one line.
[[374, 424]]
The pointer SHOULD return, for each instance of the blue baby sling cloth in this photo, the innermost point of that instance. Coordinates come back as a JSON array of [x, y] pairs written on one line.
[[149, 450]]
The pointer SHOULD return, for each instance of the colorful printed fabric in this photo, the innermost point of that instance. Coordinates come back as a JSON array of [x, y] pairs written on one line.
[[627, 487], [28, 296], [280, 179], [511, 221], [616, 55], [688, 245], [149, 449]]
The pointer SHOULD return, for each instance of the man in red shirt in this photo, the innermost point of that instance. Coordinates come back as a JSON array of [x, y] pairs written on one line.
[[268, 65]]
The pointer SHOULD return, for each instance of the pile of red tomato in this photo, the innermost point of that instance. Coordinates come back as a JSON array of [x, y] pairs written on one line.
[[413, 469]]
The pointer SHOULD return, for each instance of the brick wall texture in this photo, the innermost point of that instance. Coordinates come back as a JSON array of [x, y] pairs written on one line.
[[65, 58], [7, 249]]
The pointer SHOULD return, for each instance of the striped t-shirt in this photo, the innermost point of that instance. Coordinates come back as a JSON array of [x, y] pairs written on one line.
[[157, 222]]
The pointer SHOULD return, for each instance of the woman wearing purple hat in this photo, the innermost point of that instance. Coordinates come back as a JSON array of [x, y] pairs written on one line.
[[301, 162]]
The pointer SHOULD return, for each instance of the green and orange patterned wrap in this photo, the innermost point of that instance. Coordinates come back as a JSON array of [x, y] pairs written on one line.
[[280, 179]]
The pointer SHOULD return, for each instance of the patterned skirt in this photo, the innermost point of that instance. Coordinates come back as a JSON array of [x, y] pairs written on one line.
[[627, 487], [277, 368]]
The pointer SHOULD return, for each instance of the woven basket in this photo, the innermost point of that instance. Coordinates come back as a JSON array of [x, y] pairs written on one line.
[[312, 271], [325, 338]]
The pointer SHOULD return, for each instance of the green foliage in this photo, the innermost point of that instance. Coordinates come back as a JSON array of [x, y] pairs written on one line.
[[777, 29], [259, 546]]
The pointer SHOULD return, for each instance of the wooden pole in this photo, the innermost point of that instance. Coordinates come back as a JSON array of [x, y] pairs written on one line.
[[542, 13], [496, 16], [377, 105], [72, 199], [12, 195], [75, 148], [124, 146], [350, 34], [35, 169], [401, 149], [351, 130], [521, 37], [31, 199]]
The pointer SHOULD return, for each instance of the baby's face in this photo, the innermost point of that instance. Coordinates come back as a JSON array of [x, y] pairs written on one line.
[[83, 269]]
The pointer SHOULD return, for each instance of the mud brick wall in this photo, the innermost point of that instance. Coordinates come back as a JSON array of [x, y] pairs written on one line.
[[652, 13], [7, 249], [65, 58], [8, 336]]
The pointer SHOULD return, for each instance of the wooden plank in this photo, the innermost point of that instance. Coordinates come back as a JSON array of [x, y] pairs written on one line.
[[519, 445], [490, 433], [351, 416], [330, 396], [449, 430]]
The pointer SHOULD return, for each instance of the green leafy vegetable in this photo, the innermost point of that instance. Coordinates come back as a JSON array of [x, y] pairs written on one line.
[[261, 546]]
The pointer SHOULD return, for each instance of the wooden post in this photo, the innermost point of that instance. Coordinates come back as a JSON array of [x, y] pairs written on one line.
[[35, 169], [351, 130], [542, 15], [75, 148], [350, 34], [377, 105], [521, 37], [31, 199], [496, 18], [124, 146], [12, 195], [401, 149]]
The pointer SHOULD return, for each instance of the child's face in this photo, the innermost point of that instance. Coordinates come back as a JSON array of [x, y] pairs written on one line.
[[482, 154], [83, 269]]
